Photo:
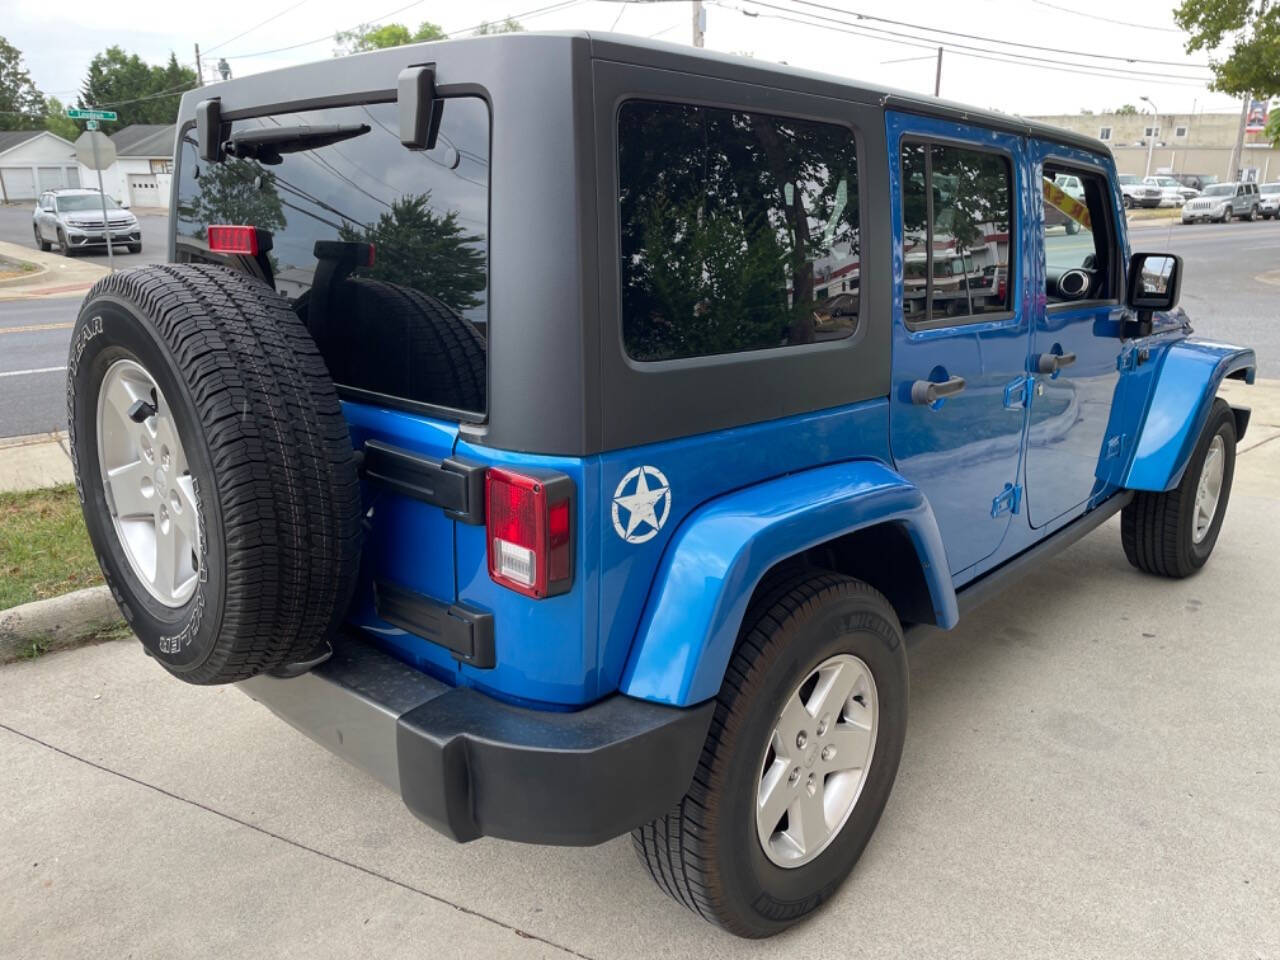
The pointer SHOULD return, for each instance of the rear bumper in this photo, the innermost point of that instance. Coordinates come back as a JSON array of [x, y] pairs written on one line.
[[472, 766]]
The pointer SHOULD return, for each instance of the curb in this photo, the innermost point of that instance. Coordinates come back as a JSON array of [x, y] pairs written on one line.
[[56, 623], [28, 277]]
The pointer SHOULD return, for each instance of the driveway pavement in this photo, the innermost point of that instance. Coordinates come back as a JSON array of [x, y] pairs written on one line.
[[1091, 771]]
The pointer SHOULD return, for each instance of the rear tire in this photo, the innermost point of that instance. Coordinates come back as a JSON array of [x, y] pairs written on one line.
[[214, 468], [1168, 534], [135, 248], [709, 852]]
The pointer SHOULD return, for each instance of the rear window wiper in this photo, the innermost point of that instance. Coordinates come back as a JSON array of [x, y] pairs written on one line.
[[269, 144]]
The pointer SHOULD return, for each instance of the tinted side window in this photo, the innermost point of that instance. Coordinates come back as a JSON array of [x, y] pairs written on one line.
[[403, 326], [956, 218], [739, 231]]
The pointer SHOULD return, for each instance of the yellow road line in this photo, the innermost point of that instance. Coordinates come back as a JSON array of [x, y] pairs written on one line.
[[35, 327]]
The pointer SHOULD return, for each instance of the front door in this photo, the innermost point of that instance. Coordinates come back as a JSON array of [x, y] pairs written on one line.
[[1076, 340], [961, 325]]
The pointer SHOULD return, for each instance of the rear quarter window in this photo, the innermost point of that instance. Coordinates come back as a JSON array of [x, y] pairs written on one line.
[[739, 231], [425, 214]]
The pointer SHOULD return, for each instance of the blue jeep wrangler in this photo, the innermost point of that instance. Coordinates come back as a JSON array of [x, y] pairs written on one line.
[[566, 429]]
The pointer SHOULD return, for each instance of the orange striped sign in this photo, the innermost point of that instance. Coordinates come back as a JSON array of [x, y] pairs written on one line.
[[1073, 208]]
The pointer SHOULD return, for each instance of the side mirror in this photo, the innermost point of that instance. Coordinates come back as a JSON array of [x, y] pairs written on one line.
[[419, 109], [1155, 281]]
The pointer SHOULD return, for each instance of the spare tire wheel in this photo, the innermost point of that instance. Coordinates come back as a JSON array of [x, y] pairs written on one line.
[[214, 468]]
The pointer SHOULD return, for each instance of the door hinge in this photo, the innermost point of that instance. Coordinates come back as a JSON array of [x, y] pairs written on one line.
[[1017, 393], [1007, 500]]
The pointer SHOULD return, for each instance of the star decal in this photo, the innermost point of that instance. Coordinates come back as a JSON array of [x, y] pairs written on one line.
[[645, 507]]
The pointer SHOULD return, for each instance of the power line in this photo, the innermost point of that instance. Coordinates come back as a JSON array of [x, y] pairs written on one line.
[[1007, 43], [537, 11], [922, 43], [1095, 16], [274, 16]]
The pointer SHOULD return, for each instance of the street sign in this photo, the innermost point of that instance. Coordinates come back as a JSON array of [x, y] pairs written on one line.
[[76, 113]]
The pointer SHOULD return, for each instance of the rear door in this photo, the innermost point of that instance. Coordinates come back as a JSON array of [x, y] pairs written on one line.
[[374, 246], [1076, 339], [957, 413]]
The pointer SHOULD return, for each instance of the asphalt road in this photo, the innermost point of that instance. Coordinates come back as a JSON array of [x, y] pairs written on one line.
[[1231, 291]]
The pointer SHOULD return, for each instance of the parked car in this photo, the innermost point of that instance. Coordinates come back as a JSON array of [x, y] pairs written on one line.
[[1269, 200], [1222, 201], [641, 557], [1172, 191], [1196, 181], [71, 217], [1136, 193]]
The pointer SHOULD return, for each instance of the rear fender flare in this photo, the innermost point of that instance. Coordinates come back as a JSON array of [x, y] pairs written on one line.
[[1187, 382], [723, 549]]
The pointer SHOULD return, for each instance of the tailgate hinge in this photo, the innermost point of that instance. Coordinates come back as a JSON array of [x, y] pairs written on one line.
[[454, 485], [1008, 500]]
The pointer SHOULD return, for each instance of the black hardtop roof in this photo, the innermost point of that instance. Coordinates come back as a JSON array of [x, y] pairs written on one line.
[[624, 48]]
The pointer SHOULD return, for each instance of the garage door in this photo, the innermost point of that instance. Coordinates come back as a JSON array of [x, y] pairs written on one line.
[[144, 191], [51, 177], [19, 184]]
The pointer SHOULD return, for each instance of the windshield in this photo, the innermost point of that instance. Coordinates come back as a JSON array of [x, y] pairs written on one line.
[[1128, 178], [1167, 182], [1220, 190], [84, 201]]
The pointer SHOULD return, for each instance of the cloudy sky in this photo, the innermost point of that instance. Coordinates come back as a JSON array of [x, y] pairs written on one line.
[[983, 63]]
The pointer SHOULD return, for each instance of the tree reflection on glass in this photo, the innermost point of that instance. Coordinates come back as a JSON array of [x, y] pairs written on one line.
[[738, 230]]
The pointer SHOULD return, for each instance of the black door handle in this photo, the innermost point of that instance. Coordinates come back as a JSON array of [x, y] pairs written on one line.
[[926, 391], [1053, 362]]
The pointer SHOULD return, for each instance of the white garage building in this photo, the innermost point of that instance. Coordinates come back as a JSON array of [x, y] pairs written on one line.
[[143, 172], [32, 161]]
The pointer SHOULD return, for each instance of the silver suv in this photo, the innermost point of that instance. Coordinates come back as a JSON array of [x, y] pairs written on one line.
[[72, 218], [1222, 201], [1269, 200]]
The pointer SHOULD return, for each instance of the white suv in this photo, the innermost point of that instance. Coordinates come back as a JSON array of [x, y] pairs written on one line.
[[1269, 200]]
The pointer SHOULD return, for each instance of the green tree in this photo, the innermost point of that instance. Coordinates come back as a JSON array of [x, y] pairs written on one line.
[[1273, 127], [370, 37], [420, 249], [21, 104], [1128, 110], [235, 191], [138, 92], [1251, 27], [57, 121], [506, 26]]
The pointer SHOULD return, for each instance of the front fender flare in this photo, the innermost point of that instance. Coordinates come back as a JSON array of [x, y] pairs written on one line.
[[722, 550], [1186, 384]]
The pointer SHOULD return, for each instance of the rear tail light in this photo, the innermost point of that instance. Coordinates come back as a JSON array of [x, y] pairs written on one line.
[[529, 525], [228, 238]]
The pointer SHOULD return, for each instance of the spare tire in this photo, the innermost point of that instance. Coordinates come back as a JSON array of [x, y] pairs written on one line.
[[214, 468], [388, 338]]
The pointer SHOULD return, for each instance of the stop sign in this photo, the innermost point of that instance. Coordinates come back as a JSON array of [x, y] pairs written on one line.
[[106, 154]]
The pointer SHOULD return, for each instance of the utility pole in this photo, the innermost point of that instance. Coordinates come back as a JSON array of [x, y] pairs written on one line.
[[1155, 126], [699, 23], [199, 70], [937, 77], [1237, 152]]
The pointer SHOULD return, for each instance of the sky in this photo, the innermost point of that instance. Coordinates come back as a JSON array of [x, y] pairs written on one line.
[[58, 40]]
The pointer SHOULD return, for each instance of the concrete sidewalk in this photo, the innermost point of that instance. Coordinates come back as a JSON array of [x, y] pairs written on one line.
[[39, 460], [1091, 771], [58, 275]]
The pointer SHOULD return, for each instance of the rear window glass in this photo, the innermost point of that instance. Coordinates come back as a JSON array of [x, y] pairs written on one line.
[[399, 329], [739, 231]]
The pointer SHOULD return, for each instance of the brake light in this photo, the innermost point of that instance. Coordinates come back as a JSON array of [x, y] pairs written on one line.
[[228, 238], [528, 522]]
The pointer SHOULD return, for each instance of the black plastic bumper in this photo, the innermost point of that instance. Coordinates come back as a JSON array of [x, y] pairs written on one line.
[[471, 766]]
